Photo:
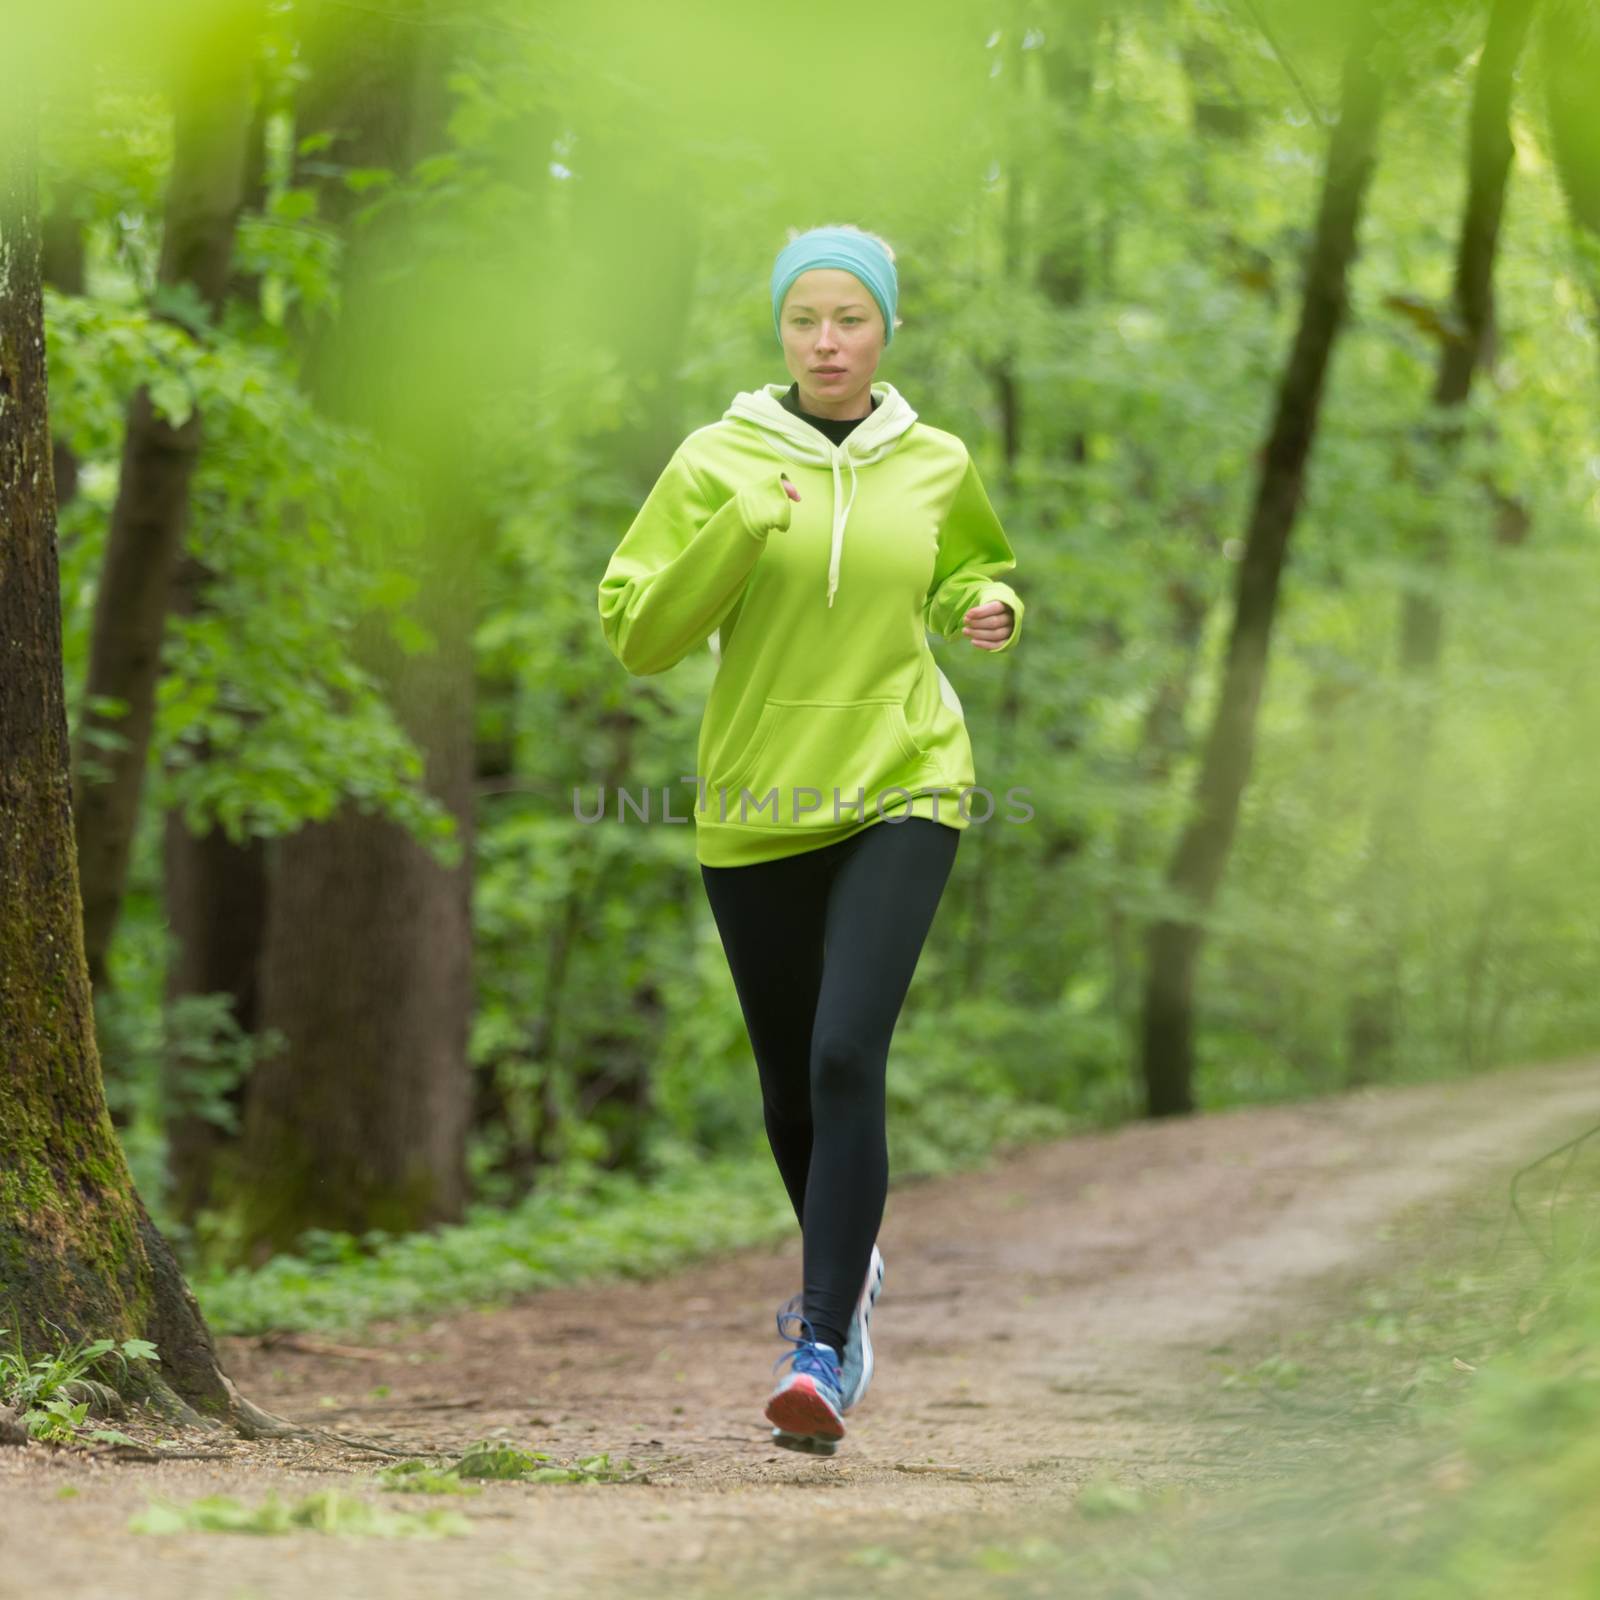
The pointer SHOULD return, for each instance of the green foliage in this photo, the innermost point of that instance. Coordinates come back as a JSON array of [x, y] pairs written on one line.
[[198, 1029], [1276, 1371], [1528, 1459], [498, 1461], [876, 1556], [1108, 1497], [581, 1225], [419, 1477], [976, 1076], [142, 1037], [503, 1461], [265, 719], [45, 1390], [489, 1461], [1101, 238], [339, 1511], [327, 1511], [1437, 1436], [1018, 1557]]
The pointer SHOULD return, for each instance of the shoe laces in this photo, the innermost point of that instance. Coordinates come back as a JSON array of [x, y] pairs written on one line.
[[809, 1356]]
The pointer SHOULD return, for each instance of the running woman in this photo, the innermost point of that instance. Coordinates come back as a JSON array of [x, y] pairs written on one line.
[[833, 765]]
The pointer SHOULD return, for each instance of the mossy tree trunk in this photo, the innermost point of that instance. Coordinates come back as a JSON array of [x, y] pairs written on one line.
[[79, 1255]]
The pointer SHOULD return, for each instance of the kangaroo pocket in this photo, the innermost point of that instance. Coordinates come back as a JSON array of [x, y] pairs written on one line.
[[805, 749]]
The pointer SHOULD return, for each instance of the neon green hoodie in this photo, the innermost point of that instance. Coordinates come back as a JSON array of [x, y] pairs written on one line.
[[828, 711]]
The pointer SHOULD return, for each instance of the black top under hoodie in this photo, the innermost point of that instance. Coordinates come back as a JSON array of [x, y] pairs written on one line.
[[836, 428]]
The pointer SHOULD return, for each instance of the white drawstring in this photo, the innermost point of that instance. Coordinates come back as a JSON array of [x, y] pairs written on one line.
[[839, 516]]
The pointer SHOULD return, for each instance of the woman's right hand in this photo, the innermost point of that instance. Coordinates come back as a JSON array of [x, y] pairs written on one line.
[[788, 488]]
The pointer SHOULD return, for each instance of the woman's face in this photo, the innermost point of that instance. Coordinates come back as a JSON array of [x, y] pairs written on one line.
[[833, 335]]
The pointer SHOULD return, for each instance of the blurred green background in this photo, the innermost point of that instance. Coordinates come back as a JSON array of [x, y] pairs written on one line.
[[369, 328], [478, 269]]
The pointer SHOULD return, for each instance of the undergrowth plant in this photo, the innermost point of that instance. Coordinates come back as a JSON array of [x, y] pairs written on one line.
[[54, 1393]]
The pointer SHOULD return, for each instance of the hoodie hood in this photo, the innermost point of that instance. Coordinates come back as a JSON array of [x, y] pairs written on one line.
[[794, 437]]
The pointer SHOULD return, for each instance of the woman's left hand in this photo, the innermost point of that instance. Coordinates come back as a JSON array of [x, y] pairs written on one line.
[[989, 626]]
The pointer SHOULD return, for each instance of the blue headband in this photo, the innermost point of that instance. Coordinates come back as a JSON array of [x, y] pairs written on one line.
[[837, 247]]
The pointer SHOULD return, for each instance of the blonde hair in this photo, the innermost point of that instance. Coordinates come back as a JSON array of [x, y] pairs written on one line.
[[849, 227]]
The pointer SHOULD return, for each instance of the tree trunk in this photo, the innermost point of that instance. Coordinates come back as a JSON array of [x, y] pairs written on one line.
[[1198, 863], [79, 1256], [215, 896], [366, 964], [1373, 1021], [366, 970], [158, 459]]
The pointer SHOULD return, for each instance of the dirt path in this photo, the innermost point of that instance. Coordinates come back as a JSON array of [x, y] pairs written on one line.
[[1039, 1322]]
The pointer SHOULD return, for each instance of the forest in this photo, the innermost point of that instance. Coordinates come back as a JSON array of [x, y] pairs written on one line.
[[341, 343]]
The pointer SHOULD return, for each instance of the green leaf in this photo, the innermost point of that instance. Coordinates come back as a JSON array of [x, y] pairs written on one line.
[[172, 397], [360, 179]]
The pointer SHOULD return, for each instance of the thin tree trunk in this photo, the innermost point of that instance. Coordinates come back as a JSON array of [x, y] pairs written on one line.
[[158, 460], [215, 893], [1374, 1017], [79, 1255], [215, 896], [1201, 857]]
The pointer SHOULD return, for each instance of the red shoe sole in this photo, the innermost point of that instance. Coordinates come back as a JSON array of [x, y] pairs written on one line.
[[800, 1409]]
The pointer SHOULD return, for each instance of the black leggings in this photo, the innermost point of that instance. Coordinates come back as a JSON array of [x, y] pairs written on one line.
[[820, 1028]]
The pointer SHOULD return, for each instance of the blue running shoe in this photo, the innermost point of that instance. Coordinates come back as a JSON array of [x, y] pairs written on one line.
[[806, 1408], [855, 1361]]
